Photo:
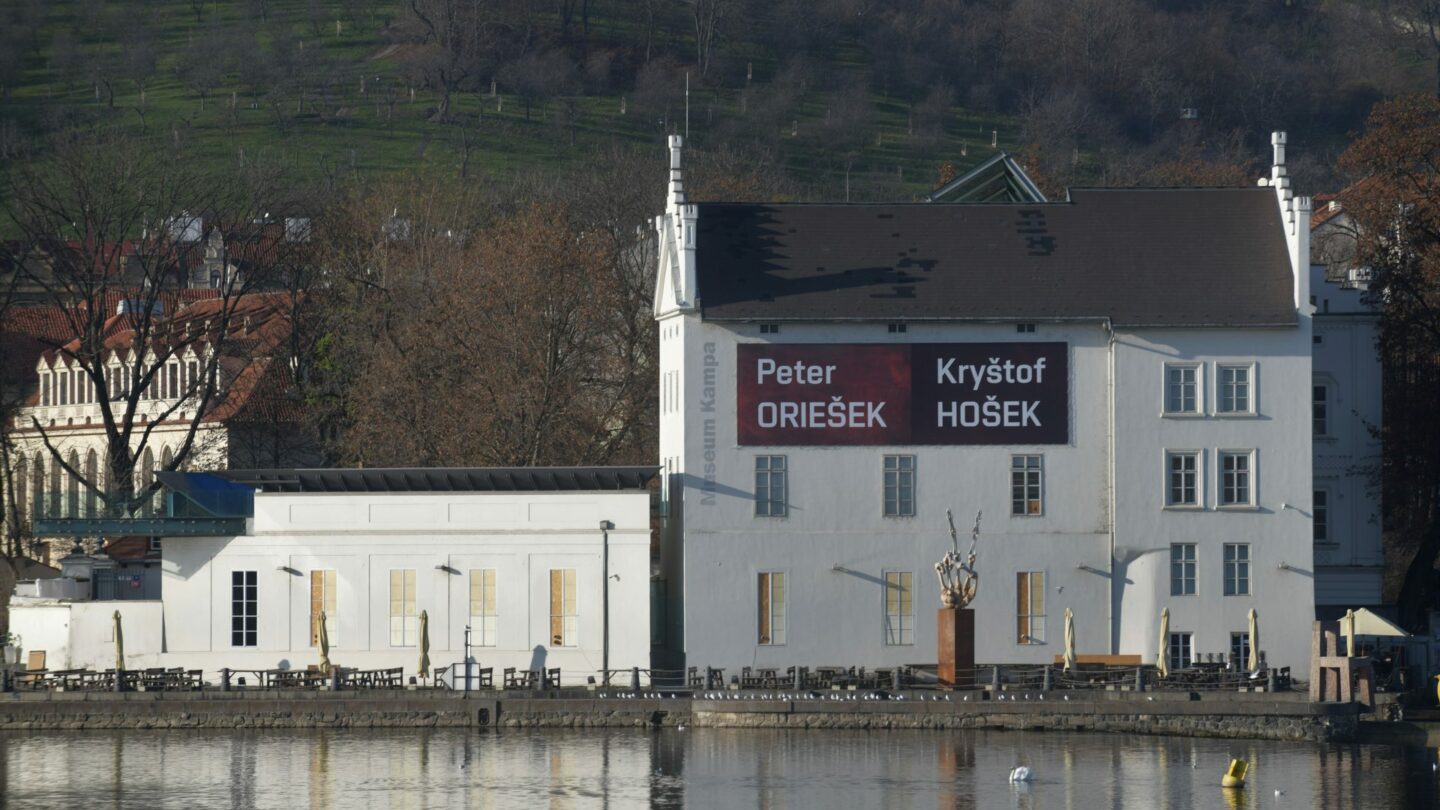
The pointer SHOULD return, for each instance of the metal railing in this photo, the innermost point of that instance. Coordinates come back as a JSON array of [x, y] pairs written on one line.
[[790, 682]]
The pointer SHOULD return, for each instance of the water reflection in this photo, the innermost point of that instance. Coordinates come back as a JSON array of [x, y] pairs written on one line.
[[700, 768]]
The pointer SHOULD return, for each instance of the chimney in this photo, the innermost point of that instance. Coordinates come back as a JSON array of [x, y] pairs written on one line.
[[245, 326]]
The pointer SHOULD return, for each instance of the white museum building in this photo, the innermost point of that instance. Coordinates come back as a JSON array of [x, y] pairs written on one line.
[[545, 567], [1118, 383]]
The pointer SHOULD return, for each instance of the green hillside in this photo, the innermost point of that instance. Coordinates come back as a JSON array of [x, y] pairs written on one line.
[[325, 89]]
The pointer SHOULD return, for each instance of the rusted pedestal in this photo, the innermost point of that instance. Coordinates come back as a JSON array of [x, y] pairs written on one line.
[[956, 647]]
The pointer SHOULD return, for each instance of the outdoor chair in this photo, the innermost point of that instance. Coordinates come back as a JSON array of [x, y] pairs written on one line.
[[34, 675]]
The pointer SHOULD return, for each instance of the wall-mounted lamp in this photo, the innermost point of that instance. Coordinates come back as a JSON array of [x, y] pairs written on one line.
[[839, 569], [1090, 568], [1284, 566], [615, 577], [446, 568], [285, 569]]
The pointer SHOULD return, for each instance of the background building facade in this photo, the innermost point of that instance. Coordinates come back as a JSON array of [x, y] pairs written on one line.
[[1178, 475]]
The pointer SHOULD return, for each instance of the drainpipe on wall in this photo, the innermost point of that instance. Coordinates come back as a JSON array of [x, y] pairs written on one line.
[[605, 527], [1110, 441]]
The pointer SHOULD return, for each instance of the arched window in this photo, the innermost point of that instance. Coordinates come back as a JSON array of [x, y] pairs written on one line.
[[147, 476], [72, 502], [52, 502], [18, 503], [37, 486], [92, 481], [109, 488]]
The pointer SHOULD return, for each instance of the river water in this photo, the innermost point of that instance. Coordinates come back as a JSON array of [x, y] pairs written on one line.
[[720, 768]]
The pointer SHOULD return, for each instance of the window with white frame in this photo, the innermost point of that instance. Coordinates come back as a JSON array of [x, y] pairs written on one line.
[[1320, 513], [1030, 607], [770, 486], [564, 610], [1235, 477], [1182, 478], [244, 609], [1240, 648], [483, 616], [1236, 393], [1182, 569], [899, 609], [1180, 650], [1027, 485], [404, 622], [899, 473], [1320, 409], [1182, 388], [1237, 569], [771, 608]]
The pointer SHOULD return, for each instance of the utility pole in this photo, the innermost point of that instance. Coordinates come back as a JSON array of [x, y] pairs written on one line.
[[605, 527]]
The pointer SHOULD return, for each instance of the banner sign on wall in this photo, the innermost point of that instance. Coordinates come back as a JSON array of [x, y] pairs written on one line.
[[903, 393]]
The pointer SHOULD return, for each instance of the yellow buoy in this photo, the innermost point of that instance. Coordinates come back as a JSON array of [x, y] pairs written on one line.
[[1235, 776]]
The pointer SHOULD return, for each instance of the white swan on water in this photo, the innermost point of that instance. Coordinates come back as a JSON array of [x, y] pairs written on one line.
[[1022, 774]]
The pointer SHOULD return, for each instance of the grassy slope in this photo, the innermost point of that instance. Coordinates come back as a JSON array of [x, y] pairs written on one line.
[[360, 141]]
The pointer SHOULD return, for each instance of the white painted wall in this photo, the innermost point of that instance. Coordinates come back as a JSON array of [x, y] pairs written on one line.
[[81, 635], [835, 546], [363, 536], [1350, 561], [1277, 527], [42, 625]]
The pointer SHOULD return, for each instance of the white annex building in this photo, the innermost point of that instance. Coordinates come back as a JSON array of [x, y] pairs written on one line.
[[547, 567], [1120, 383]]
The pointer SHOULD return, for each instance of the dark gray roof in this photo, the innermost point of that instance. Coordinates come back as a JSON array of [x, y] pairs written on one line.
[[1162, 257], [447, 479]]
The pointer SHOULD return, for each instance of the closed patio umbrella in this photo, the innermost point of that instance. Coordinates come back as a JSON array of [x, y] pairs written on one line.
[[1069, 640], [1254, 663], [119, 644], [324, 639], [1347, 628], [424, 643], [1162, 661]]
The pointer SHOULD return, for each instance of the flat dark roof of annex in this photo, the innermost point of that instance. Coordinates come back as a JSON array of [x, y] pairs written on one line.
[[447, 479], [1140, 257]]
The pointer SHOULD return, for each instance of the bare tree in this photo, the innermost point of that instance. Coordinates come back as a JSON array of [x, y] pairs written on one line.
[[454, 43], [108, 225], [709, 18]]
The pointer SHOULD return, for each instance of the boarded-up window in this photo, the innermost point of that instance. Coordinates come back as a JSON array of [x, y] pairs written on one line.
[[1030, 607], [772, 608], [564, 620], [404, 624], [482, 607], [322, 598], [899, 609]]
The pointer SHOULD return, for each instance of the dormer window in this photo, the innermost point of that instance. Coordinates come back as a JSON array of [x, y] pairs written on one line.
[[1025, 328], [896, 328], [769, 328], [45, 389]]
